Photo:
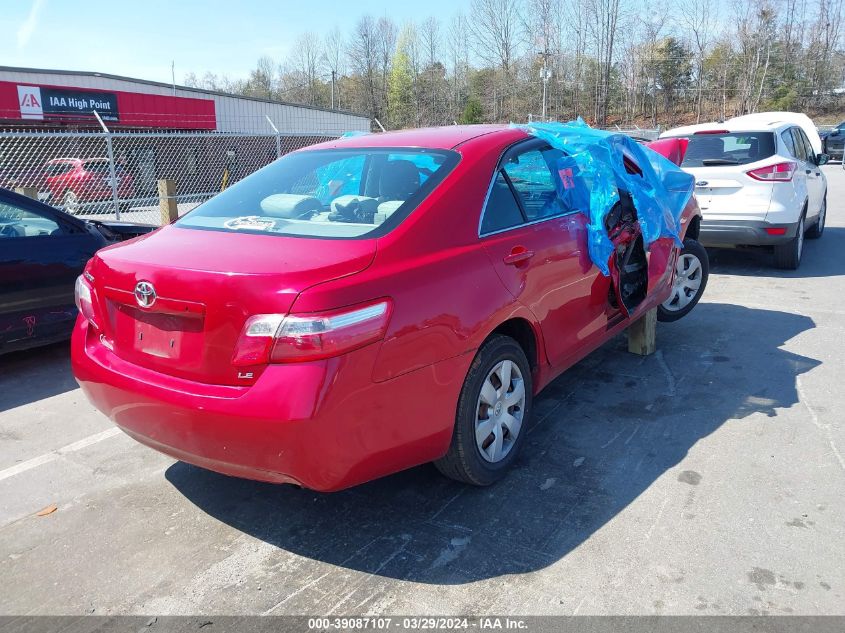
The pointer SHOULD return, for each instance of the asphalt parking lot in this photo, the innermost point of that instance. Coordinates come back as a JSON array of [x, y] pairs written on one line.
[[705, 479]]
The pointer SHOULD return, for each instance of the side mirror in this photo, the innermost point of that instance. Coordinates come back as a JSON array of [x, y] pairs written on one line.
[[822, 159]]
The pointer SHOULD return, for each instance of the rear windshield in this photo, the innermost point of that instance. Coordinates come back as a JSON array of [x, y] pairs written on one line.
[[97, 166], [735, 148], [327, 193]]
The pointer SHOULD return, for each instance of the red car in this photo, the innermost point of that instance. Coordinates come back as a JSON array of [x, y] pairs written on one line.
[[74, 182], [363, 306]]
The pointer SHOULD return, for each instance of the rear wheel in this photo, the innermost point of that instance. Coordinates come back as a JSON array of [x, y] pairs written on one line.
[[691, 272], [817, 229], [788, 256], [493, 409]]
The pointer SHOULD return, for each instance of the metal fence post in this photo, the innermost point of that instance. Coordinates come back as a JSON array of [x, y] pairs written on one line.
[[112, 170], [278, 136]]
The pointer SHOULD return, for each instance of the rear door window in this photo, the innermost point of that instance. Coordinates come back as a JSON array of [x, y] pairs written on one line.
[[531, 177], [789, 141], [502, 210], [808, 147], [800, 148], [729, 148]]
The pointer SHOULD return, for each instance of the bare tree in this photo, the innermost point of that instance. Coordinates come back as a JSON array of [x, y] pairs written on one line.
[[430, 39], [497, 36], [333, 62], [364, 61], [304, 67], [458, 46], [700, 21]]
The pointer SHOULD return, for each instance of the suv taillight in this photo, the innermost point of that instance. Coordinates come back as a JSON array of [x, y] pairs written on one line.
[[782, 172], [275, 338], [82, 294]]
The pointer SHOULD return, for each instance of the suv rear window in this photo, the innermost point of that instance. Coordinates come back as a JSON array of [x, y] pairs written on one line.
[[342, 193], [734, 148]]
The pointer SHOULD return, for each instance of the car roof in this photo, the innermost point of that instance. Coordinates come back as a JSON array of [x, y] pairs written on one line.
[[446, 137], [758, 122]]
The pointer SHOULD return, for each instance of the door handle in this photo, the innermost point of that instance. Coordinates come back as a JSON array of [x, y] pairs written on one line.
[[518, 255]]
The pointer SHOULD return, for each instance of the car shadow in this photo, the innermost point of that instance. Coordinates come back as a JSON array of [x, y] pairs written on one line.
[[821, 258], [602, 434], [34, 374]]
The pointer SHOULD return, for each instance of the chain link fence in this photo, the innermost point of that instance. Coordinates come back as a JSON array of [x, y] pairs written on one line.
[[114, 175]]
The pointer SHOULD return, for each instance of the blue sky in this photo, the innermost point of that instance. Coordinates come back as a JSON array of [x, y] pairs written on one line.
[[139, 38]]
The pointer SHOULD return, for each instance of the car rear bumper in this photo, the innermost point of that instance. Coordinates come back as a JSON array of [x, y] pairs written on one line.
[[744, 233], [323, 425]]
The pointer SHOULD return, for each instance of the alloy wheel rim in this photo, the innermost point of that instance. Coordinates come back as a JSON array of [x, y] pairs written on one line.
[[499, 411], [70, 203], [688, 274]]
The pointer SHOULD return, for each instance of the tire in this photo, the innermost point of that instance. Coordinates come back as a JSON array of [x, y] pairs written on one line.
[[815, 231], [70, 203], [788, 256], [476, 461], [691, 273]]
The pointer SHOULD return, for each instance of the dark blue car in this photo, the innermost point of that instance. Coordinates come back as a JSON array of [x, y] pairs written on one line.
[[42, 251], [834, 142]]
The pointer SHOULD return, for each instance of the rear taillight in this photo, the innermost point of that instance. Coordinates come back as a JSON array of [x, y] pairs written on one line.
[[84, 300], [275, 338], [782, 172]]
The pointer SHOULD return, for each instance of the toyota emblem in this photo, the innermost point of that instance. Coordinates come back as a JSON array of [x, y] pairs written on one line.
[[145, 294]]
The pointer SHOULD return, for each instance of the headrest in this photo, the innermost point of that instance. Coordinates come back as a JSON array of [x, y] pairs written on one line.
[[289, 205], [399, 180]]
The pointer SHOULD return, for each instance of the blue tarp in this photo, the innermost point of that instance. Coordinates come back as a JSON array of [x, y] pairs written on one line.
[[592, 173]]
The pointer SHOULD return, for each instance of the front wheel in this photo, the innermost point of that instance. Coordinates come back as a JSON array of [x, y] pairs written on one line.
[[70, 203], [493, 409], [691, 272]]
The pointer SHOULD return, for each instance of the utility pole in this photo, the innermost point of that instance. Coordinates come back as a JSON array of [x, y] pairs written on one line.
[[546, 76], [334, 75], [173, 75]]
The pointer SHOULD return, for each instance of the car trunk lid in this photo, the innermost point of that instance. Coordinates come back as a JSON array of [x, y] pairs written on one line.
[[175, 301], [725, 192]]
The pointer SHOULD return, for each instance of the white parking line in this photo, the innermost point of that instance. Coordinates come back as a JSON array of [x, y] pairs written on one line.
[[53, 455]]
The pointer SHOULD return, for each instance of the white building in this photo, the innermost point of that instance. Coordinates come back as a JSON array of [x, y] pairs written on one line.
[[35, 97]]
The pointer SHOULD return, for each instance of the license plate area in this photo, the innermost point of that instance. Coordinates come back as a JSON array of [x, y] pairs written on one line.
[[161, 335]]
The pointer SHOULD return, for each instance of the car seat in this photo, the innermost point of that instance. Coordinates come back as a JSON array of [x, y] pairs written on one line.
[[400, 179]]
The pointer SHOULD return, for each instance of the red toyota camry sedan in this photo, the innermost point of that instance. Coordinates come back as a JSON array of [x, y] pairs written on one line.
[[366, 305]]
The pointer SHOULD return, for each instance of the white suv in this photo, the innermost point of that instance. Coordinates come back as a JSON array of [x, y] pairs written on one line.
[[758, 182]]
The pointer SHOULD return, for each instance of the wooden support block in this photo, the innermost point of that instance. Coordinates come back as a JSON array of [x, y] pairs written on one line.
[[167, 201], [642, 335], [29, 192]]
